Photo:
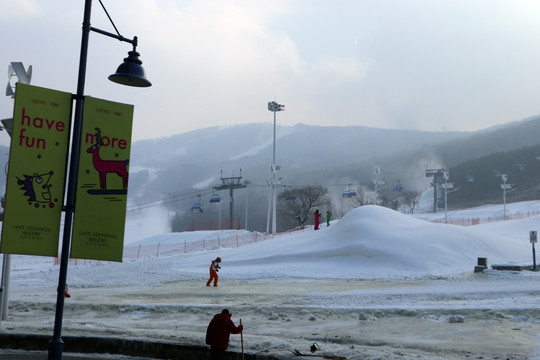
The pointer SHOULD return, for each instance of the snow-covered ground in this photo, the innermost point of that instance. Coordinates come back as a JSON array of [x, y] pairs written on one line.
[[376, 284]]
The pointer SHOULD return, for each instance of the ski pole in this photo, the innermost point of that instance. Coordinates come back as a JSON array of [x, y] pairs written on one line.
[[242, 340]]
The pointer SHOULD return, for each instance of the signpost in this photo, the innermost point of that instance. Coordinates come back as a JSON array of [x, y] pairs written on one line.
[[533, 239]]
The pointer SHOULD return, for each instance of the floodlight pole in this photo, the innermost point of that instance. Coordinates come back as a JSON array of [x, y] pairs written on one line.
[[274, 107]]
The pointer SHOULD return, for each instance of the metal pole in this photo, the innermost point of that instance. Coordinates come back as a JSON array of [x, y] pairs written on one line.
[[504, 201], [4, 299], [274, 197], [434, 194], [445, 204], [445, 175], [504, 178], [274, 148], [56, 343], [274, 226], [534, 257], [246, 224], [268, 216], [231, 215]]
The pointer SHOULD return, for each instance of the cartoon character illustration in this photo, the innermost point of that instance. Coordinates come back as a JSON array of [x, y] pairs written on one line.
[[38, 188], [105, 167]]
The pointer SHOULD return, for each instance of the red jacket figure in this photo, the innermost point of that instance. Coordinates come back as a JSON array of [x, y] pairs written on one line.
[[214, 268], [317, 215], [218, 332]]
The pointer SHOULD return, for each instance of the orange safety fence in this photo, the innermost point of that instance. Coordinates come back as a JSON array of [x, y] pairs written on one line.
[[159, 249]]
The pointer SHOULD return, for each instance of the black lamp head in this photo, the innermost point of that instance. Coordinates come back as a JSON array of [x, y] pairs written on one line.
[[130, 72]]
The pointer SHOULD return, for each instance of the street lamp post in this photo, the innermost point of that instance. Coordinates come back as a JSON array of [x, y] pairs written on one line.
[[128, 73], [274, 107]]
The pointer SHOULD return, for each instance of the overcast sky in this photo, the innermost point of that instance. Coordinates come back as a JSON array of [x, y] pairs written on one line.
[[405, 64]]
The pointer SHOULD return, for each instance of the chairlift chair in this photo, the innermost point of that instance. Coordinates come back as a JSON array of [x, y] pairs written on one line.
[[349, 192], [197, 206]]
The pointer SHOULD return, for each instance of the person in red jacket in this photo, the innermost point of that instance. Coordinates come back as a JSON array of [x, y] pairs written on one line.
[[214, 268], [317, 215], [218, 332]]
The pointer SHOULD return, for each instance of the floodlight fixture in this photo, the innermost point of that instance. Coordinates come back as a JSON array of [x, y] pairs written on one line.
[[274, 106]]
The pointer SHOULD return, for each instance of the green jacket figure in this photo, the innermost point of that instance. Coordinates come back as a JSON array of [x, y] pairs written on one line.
[[328, 217]]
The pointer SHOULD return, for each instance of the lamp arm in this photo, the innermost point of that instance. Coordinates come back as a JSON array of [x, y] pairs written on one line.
[[118, 37]]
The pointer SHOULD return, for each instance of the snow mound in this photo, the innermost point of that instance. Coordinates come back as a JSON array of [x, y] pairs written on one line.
[[372, 241]]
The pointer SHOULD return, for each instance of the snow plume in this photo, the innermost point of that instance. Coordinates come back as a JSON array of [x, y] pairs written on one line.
[[146, 222], [416, 174]]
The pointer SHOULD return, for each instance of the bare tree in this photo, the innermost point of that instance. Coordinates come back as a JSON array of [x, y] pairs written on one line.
[[393, 203], [298, 203], [361, 199], [410, 200]]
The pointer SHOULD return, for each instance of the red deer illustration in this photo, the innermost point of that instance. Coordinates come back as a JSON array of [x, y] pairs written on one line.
[[105, 167]]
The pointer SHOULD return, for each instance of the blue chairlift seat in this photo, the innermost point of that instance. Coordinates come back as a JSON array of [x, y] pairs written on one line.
[[196, 208], [215, 199], [470, 178], [349, 193], [397, 188]]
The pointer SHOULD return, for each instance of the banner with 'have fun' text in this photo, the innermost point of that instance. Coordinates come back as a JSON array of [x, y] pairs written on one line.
[[37, 171]]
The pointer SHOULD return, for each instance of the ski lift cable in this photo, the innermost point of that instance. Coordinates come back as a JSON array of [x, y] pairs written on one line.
[[168, 200], [159, 202]]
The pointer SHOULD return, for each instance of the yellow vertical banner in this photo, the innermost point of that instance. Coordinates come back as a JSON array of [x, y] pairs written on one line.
[[101, 200], [37, 171]]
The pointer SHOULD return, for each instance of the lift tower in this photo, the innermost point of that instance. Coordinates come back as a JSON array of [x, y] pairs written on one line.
[[231, 183], [438, 177]]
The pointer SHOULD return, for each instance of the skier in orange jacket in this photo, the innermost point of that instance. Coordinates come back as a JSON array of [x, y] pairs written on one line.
[[214, 268]]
